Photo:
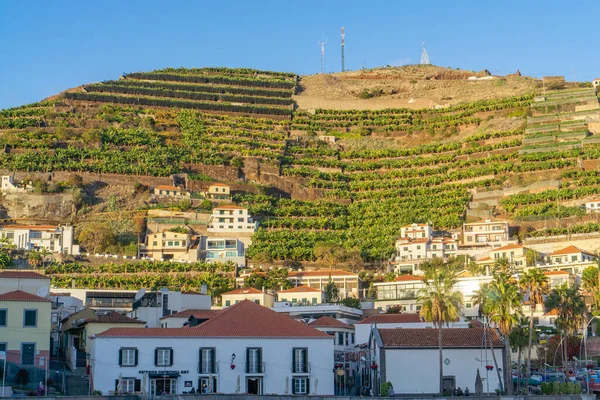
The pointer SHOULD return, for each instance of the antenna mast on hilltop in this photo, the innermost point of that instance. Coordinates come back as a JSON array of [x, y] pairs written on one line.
[[343, 37], [424, 56], [323, 56]]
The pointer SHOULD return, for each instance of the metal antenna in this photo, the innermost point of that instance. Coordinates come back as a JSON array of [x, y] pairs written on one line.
[[343, 37], [424, 56], [323, 56]]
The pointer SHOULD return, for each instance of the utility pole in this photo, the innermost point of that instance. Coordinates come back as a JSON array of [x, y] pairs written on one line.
[[323, 56], [343, 37]]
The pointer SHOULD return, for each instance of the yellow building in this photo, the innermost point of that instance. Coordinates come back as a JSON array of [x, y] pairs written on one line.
[[218, 191], [25, 328], [255, 295], [169, 245], [301, 295]]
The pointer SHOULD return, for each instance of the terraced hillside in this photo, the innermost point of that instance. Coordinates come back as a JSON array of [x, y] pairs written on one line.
[[345, 178]]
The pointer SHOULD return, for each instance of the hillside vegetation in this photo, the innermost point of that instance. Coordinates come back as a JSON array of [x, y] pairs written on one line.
[[387, 167]]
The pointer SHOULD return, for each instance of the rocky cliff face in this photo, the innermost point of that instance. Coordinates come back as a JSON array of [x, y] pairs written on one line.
[[25, 205]]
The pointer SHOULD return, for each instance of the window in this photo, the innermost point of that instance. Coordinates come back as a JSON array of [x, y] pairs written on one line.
[[300, 385], [352, 337], [170, 244], [257, 301], [3, 317], [468, 305], [128, 357], [127, 385], [300, 360], [155, 243], [254, 360], [573, 258], [314, 300], [35, 235], [30, 318], [207, 364], [163, 357], [340, 339], [241, 212], [227, 303], [240, 219], [3, 346]]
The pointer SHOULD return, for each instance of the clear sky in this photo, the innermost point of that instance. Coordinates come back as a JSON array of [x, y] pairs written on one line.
[[48, 46]]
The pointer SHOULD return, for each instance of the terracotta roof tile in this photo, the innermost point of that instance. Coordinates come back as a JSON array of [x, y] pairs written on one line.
[[509, 247], [19, 295], [392, 319], [249, 290], [328, 321], [113, 318], [428, 337], [242, 320], [300, 289], [554, 273], [229, 207], [32, 227], [167, 187], [408, 278], [219, 184], [194, 293], [332, 272], [200, 314], [569, 250], [22, 274]]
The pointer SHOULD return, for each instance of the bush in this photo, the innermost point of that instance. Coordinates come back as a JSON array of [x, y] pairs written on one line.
[[546, 388], [385, 388], [22, 377], [365, 94], [350, 302], [570, 388]]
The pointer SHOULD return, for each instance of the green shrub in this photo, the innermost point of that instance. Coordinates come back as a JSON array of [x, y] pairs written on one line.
[[555, 388], [385, 388], [570, 388], [365, 94]]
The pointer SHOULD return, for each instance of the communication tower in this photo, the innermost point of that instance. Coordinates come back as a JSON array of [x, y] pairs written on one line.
[[323, 56], [424, 56], [343, 37]]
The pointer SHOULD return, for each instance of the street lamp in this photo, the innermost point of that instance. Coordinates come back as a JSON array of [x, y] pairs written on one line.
[[556, 352], [587, 375]]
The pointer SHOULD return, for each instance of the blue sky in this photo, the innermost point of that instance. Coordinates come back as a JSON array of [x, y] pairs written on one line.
[[49, 46]]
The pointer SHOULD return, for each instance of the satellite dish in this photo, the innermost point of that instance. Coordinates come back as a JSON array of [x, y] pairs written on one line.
[[140, 293], [43, 291]]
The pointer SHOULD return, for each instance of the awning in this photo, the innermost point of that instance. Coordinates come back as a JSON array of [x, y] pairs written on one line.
[[165, 375]]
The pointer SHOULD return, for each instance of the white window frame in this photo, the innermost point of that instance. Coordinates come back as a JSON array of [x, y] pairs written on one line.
[[163, 357], [300, 385], [128, 385], [126, 354]]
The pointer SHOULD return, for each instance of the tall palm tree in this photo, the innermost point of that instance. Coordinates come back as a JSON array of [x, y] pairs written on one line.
[[518, 341], [440, 303], [505, 308], [481, 299], [535, 285], [572, 311]]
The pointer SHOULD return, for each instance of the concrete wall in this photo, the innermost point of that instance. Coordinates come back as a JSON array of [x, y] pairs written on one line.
[[27, 285]]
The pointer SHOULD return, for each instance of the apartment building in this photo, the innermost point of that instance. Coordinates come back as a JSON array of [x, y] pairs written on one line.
[[55, 239], [170, 245], [231, 219], [492, 233], [214, 249], [218, 191]]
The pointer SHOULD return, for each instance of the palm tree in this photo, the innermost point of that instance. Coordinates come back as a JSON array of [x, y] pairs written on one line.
[[518, 339], [505, 308], [481, 299], [534, 284], [572, 311], [440, 303]]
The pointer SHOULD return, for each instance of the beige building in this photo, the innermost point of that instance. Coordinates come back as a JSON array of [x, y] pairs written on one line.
[[486, 233], [255, 295], [170, 191], [416, 231], [231, 219], [55, 239], [168, 245], [25, 328], [218, 191], [348, 283], [301, 295], [27, 281], [515, 254], [592, 206]]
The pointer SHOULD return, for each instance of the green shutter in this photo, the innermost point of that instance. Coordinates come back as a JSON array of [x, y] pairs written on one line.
[[155, 357], [293, 360], [136, 357], [116, 385], [307, 385], [214, 362], [260, 366], [293, 385], [138, 385], [171, 358], [120, 356], [247, 359], [305, 360]]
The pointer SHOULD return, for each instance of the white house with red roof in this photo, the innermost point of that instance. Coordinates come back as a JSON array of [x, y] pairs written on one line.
[[301, 295], [570, 255], [409, 359], [53, 238], [417, 244], [596, 82], [231, 219], [170, 191], [238, 295], [245, 348], [592, 206]]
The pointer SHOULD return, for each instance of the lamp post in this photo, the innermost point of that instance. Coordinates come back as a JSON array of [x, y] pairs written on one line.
[[586, 356], [556, 352]]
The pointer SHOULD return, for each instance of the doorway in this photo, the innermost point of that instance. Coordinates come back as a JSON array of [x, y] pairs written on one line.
[[160, 386], [254, 385], [28, 353], [449, 384]]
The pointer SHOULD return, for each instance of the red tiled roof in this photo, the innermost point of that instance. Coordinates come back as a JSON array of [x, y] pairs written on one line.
[[200, 314], [428, 337], [166, 187], [229, 207], [391, 319], [408, 278], [34, 227], [509, 247], [19, 295], [300, 289], [113, 318], [569, 250], [328, 321], [552, 312], [22, 274], [242, 320], [551, 273], [194, 292], [332, 272], [219, 184], [249, 290]]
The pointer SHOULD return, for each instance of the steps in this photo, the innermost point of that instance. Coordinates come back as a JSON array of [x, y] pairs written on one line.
[[78, 385]]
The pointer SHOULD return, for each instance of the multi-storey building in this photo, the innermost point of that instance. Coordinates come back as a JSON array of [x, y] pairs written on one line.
[[417, 244], [169, 245], [257, 296], [218, 191], [231, 219], [245, 348], [213, 249], [27, 281], [492, 233], [301, 295], [55, 239]]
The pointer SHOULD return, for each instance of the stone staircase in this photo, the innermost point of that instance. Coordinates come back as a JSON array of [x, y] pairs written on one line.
[[78, 385]]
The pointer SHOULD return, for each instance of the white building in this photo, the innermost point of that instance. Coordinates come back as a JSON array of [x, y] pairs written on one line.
[[170, 191], [190, 317], [153, 306], [492, 233], [409, 359], [417, 244], [9, 186], [307, 313], [55, 239], [592, 206], [223, 250], [231, 219], [27, 281], [246, 348], [416, 231]]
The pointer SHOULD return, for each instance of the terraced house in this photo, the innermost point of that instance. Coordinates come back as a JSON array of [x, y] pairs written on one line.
[[245, 348]]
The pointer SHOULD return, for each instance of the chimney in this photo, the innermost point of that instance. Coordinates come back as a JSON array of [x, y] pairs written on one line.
[[203, 288], [263, 289]]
